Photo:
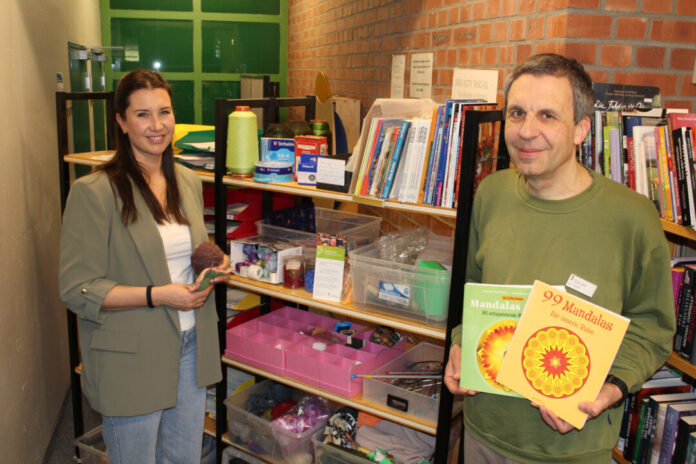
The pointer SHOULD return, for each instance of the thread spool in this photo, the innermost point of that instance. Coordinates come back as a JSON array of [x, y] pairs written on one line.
[[321, 127], [255, 272], [242, 142]]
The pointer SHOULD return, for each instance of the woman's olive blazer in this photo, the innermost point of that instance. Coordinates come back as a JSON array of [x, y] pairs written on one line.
[[130, 358]]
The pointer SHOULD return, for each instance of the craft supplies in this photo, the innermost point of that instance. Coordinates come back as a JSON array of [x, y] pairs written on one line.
[[293, 273], [273, 171], [260, 259], [242, 142]]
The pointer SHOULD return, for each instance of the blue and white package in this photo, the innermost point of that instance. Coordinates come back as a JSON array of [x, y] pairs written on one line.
[[275, 149], [307, 169], [273, 171]]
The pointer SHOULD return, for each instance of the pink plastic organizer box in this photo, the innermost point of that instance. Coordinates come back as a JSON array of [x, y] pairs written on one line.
[[273, 342]]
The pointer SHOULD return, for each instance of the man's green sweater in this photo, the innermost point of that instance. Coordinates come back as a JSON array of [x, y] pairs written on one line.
[[607, 235]]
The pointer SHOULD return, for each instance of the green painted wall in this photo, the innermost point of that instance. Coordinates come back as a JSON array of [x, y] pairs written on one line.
[[202, 47]]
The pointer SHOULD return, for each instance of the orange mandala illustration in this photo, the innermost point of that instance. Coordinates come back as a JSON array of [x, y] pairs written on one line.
[[555, 362], [491, 349]]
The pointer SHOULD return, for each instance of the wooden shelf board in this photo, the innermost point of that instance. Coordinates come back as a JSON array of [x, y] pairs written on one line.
[[94, 158], [679, 230], [356, 402], [301, 296], [618, 457], [681, 364]]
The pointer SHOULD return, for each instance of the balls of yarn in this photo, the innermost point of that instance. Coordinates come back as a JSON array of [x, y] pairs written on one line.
[[206, 255]]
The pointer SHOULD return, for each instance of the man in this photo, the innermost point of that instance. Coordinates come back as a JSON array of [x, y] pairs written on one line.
[[550, 218]]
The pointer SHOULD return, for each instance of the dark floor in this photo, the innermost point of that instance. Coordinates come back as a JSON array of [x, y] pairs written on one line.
[[61, 448]]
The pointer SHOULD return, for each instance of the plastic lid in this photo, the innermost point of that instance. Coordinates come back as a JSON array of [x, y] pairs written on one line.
[[242, 108]]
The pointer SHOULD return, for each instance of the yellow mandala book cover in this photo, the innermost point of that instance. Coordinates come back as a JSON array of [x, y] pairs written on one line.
[[561, 351], [489, 317]]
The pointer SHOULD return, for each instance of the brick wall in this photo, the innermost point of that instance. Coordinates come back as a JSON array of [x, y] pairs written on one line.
[[641, 42]]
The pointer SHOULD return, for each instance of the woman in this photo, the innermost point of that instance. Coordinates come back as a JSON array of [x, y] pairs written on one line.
[[148, 341]]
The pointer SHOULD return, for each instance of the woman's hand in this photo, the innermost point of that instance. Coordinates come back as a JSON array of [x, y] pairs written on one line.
[[180, 296]]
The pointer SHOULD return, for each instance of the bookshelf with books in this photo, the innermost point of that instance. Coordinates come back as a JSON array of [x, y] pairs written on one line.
[[440, 428]]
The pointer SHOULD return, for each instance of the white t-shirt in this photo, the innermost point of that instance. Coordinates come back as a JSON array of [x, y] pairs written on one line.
[[177, 248]]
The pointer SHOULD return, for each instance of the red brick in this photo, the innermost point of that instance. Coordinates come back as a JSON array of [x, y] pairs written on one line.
[[432, 4], [584, 4], [686, 7], [650, 57], [589, 26], [685, 104], [476, 56], [556, 26], [550, 5], [687, 88], [550, 47], [442, 18], [432, 21], [445, 77], [523, 52], [682, 58], [516, 29], [453, 16], [585, 53], [666, 82], [479, 10], [535, 28], [485, 33], [628, 28], [421, 40], [620, 5], [507, 53], [493, 9], [490, 56], [673, 31], [500, 31], [466, 13], [527, 7], [509, 7], [615, 55], [464, 57], [452, 57], [598, 76], [464, 35], [442, 38], [657, 6]]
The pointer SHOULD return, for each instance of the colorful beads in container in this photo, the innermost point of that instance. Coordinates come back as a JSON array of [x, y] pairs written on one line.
[[259, 259]]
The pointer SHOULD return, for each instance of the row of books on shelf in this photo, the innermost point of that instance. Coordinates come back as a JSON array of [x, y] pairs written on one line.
[[684, 287], [417, 160], [652, 152], [659, 422]]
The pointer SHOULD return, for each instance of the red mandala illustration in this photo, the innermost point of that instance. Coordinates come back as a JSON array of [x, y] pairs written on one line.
[[555, 362]]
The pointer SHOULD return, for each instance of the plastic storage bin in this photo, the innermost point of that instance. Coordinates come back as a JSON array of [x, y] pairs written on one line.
[[92, 447], [327, 454], [414, 291], [277, 343], [422, 404], [359, 229], [261, 436]]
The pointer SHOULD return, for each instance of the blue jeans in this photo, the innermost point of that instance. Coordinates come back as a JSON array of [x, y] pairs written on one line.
[[168, 436]]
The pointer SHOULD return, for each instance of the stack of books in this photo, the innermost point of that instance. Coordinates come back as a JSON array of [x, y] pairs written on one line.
[[418, 160], [650, 149]]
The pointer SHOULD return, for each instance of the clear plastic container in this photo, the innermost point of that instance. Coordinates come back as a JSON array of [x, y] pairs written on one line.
[[92, 447], [418, 290], [359, 229], [421, 402], [327, 454], [262, 437]]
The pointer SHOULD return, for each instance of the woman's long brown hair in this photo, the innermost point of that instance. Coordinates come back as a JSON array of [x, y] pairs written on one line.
[[123, 167]]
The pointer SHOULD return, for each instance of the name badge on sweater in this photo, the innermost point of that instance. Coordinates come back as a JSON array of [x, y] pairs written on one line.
[[581, 285]]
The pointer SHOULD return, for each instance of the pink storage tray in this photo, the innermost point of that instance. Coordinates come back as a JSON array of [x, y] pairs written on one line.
[[273, 342]]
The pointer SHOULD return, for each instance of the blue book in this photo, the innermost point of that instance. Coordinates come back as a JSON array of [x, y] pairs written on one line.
[[434, 153], [442, 159], [396, 157]]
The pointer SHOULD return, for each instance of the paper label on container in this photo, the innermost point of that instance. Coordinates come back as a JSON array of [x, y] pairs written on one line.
[[328, 273], [394, 293]]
